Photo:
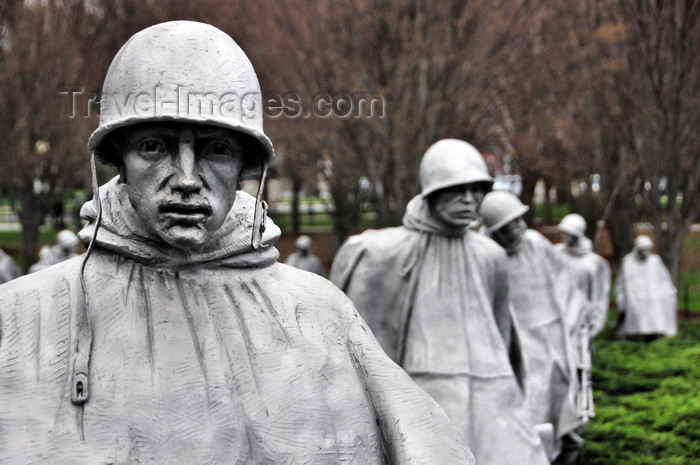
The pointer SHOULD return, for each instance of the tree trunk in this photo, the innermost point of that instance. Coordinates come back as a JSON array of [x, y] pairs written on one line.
[[31, 216], [527, 195], [296, 220], [547, 203]]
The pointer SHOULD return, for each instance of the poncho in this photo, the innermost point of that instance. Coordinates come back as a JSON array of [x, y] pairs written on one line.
[[437, 300], [645, 292], [222, 356], [309, 262], [551, 377], [586, 285]]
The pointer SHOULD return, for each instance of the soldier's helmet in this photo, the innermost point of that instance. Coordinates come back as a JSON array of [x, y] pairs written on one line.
[[303, 242], [452, 162], [183, 71], [499, 207], [573, 224], [67, 239], [643, 242]]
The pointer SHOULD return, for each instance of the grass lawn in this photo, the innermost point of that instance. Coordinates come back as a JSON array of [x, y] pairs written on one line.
[[11, 243], [689, 291], [647, 401]]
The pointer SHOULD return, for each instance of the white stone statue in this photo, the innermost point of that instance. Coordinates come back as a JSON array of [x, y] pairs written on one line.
[[8, 268], [435, 293], [645, 294], [534, 264], [66, 245], [304, 258], [183, 341]]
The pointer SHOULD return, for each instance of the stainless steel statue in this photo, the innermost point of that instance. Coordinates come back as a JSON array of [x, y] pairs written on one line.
[[304, 258], [589, 283], [585, 286], [436, 295], [645, 294], [534, 267], [177, 338]]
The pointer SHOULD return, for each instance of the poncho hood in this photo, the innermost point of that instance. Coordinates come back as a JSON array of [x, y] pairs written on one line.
[[121, 231], [418, 218], [582, 247]]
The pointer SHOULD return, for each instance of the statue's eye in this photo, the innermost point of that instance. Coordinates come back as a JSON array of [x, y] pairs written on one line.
[[219, 150], [152, 147]]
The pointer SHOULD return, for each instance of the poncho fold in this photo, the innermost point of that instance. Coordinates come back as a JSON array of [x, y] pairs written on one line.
[[437, 300], [538, 308], [645, 292], [220, 356]]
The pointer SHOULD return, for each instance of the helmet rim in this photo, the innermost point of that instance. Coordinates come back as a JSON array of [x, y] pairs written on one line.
[[175, 52], [508, 218]]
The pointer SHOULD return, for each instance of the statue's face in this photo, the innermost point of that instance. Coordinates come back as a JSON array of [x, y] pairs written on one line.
[[569, 239], [510, 234], [456, 206], [181, 179], [643, 253]]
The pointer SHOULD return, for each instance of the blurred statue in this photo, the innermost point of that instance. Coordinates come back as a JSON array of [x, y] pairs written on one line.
[[303, 258], [590, 276], [645, 294], [585, 286], [177, 338], [435, 293], [8, 268], [534, 264], [66, 245]]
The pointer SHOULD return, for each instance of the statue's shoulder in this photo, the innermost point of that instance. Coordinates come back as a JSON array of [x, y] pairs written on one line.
[[538, 240], [485, 246], [535, 236], [379, 239], [42, 298], [316, 294], [299, 282], [65, 273]]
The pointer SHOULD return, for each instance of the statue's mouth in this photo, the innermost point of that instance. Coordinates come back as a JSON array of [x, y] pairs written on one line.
[[185, 212]]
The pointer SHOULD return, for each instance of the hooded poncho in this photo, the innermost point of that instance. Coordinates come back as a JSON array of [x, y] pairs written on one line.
[[645, 292], [551, 380], [437, 300], [222, 356], [586, 284]]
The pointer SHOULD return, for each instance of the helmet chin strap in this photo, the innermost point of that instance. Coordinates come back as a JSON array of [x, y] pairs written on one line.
[[260, 210], [81, 344]]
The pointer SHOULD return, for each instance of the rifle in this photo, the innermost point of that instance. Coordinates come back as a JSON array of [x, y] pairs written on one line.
[[583, 368]]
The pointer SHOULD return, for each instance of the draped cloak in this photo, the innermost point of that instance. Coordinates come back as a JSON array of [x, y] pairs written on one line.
[[309, 262], [537, 305], [586, 284], [221, 356], [437, 300], [645, 291]]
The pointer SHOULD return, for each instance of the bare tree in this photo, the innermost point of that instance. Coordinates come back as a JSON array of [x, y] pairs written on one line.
[[53, 56], [432, 64], [39, 155], [659, 111]]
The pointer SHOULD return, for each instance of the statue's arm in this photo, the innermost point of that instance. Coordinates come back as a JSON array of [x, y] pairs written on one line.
[[501, 299], [345, 261]]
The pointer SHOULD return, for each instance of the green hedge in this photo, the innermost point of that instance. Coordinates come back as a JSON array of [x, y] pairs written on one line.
[[647, 401]]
